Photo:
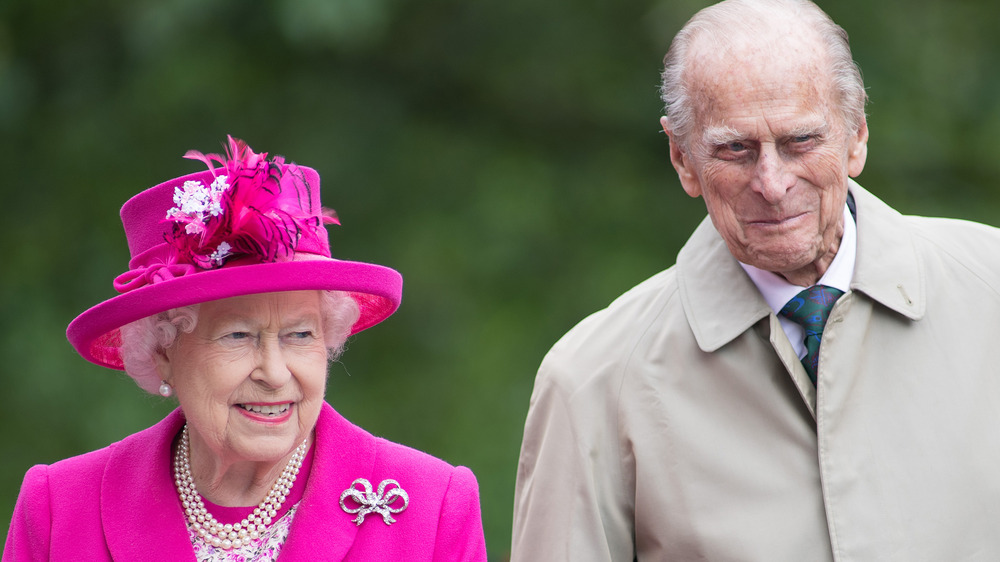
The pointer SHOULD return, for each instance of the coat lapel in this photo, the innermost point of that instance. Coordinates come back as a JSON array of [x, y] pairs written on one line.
[[721, 302], [719, 299], [140, 511], [321, 529]]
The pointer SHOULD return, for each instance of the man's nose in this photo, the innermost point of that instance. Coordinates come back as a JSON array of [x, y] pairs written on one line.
[[772, 178]]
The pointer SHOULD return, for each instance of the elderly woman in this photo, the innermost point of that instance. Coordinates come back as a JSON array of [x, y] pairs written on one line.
[[233, 305]]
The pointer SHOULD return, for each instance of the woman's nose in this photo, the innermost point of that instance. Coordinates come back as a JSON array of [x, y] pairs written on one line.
[[271, 368]]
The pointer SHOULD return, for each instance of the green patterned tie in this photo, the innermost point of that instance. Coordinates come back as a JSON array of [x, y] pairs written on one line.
[[810, 309]]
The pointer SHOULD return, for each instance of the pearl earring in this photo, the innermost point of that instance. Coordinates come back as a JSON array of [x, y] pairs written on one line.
[[166, 390]]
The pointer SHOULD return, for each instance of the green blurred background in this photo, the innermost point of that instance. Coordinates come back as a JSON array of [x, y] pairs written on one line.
[[503, 155]]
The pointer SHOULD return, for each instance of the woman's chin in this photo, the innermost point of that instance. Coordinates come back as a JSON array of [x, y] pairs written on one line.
[[260, 448]]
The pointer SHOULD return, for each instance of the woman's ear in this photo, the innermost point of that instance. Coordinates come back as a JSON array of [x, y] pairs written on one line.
[[162, 364]]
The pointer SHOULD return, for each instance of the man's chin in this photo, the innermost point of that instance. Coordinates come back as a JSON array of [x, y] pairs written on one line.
[[787, 262]]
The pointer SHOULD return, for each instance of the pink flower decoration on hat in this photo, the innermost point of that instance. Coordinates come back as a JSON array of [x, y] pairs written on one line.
[[255, 207]]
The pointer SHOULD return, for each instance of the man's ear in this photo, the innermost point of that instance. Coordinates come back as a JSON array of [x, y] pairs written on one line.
[[858, 150], [682, 162]]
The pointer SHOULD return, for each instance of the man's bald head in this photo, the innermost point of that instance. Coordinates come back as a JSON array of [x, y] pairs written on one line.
[[727, 36]]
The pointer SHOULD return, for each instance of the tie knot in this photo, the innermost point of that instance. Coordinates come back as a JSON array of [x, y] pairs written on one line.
[[811, 307]]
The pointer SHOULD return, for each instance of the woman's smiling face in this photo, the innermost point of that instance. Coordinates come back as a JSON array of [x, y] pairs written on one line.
[[251, 376]]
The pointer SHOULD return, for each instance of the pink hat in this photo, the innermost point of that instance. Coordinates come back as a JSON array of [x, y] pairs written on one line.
[[252, 226]]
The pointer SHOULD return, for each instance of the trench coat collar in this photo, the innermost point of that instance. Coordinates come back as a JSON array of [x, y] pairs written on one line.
[[143, 519], [889, 268], [721, 302]]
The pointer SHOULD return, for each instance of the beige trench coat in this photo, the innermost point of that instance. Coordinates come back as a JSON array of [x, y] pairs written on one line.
[[678, 423]]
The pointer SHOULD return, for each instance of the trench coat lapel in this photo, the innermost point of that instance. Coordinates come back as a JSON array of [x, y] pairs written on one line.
[[719, 299], [140, 512], [721, 302]]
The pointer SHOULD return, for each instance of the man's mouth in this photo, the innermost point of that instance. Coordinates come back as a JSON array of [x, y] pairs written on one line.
[[774, 221]]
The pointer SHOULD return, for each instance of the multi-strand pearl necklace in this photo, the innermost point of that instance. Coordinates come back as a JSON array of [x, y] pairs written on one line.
[[253, 526]]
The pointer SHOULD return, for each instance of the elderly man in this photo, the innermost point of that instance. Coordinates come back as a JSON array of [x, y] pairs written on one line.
[[699, 418]]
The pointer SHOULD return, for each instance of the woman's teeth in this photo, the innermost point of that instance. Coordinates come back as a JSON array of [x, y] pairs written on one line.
[[266, 410]]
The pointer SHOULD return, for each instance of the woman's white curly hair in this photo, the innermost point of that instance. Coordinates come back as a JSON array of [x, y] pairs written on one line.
[[143, 339]]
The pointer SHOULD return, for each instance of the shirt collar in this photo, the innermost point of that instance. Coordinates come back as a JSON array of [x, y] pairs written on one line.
[[777, 291]]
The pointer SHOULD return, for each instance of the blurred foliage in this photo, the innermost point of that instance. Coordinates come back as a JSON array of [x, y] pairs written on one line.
[[504, 156]]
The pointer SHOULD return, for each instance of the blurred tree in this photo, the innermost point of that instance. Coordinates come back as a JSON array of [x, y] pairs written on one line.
[[505, 157]]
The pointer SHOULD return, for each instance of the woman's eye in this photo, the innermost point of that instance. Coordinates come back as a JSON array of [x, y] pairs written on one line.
[[302, 335], [238, 335]]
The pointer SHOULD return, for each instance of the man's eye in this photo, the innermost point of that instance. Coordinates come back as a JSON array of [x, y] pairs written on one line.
[[802, 143], [736, 146]]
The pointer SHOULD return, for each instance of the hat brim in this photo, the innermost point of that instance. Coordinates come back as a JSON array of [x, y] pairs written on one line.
[[377, 290]]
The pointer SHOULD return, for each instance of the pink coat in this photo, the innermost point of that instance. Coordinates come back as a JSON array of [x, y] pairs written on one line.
[[119, 503]]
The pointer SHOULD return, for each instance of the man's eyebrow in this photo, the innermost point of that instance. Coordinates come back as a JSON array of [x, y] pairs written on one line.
[[720, 135], [809, 129]]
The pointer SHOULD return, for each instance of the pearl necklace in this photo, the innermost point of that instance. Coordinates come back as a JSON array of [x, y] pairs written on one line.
[[253, 526]]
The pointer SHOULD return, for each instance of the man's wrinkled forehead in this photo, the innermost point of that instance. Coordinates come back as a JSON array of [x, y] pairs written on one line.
[[729, 67]]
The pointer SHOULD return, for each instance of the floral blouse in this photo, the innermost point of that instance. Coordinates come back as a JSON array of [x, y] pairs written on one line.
[[263, 549]]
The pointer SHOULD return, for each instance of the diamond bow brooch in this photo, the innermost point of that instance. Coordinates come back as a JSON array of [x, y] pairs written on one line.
[[380, 502]]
